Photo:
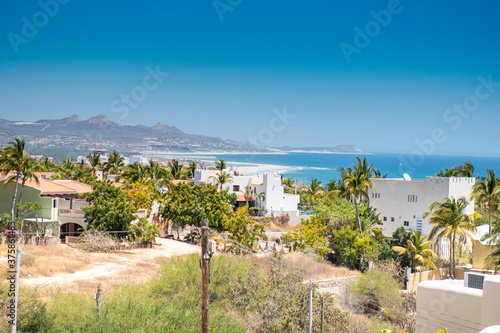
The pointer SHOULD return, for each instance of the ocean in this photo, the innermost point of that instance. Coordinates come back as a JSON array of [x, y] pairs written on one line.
[[304, 166]]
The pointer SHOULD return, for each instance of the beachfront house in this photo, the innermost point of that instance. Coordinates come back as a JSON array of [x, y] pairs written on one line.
[[273, 200], [59, 200], [402, 202]]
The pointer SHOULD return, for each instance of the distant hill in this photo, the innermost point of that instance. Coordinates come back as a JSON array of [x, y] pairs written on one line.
[[76, 134]]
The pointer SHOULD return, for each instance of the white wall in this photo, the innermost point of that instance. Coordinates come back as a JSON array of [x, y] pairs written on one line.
[[276, 202], [449, 304], [404, 200]]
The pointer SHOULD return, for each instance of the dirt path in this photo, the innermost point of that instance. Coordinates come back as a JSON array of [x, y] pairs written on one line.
[[116, 268]]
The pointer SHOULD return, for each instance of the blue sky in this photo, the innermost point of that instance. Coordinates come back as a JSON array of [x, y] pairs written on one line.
[[230, 63]]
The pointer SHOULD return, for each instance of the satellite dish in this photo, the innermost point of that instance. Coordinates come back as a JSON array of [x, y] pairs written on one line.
[[406, 177]]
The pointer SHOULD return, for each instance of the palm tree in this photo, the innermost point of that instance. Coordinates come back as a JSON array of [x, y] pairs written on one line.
[[314, 187], [465, 170], [45, 164], [248, 194], [450, 221], [493, 260], [220, 165], [13, 158], [420, 250], [115, 163], [222, 178], [356, 184], [175, 168], [376, 174], [487, 192], [260, 197], [94, 159], [133, 172], [28, 173], [157, 174]]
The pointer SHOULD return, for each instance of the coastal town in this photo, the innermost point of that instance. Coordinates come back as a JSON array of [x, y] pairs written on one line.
[[428, 236]]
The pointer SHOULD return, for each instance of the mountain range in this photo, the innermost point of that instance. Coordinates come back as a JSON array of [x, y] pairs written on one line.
[[77, 134]]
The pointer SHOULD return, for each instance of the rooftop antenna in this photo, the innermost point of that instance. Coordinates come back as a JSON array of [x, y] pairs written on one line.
[[406, 177]]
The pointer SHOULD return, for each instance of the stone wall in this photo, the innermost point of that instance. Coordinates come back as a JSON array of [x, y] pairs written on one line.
[[337, 287]]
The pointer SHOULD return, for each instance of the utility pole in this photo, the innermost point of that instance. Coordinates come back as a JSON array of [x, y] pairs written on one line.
[[310, 306], [205, 275]]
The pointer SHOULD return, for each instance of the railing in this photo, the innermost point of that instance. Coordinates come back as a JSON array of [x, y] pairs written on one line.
[[71, 213]]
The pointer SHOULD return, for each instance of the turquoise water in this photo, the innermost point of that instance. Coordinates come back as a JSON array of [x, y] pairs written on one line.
[[304, 166]]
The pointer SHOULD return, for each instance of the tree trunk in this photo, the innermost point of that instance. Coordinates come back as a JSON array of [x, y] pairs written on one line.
[[451, 265], [357, 215], [20, 201], [453, 249], [14, 197], [489, 218]]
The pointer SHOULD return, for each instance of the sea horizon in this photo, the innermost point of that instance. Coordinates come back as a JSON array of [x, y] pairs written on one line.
[[306, 165]]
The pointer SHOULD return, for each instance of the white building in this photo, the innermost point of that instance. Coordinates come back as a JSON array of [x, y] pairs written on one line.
[[276, 201], [402, 203], [137, 159], [468, 305]]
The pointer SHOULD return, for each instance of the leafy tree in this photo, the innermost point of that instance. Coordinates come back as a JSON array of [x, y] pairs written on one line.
[[311, 234], [351, 247], [191, 168], [450, 221], [487, 192], [109, 209], [188, 204], [244, 230], [141, 195], [420, 250]]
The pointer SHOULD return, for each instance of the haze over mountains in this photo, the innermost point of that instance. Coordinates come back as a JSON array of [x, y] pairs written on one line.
[[77, 134]]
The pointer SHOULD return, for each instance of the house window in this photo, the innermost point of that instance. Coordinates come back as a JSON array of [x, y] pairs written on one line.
[[392, 219], [412, 198], [385, 218], [406, 223], [54, 203], [236, 188]]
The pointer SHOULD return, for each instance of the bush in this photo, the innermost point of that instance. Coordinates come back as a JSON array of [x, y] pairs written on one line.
[[375, 293]]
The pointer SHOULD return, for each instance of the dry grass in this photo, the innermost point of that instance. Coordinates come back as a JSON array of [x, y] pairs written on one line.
[[49, 260], [316, 269], [283, 227]]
